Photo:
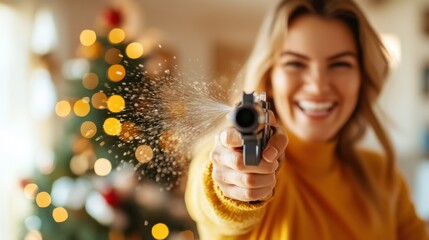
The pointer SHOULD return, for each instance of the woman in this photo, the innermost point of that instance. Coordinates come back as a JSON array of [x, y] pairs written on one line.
[[322, 65]]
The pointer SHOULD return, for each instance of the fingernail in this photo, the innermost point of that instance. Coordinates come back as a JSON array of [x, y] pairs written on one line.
[[270, 154]]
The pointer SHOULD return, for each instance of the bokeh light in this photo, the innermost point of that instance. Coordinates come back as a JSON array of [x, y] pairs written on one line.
[[30, 190], [113, 56], [81, 107], [79, 164], [33, 223], [116, 35], [60, 214], [116, 73], [144, 153], [43, 199], [134, 50], [92, 52], [62, 108], [115, 103], [90, 81], [102, 167], [88, 129], [99, 100], [88, 37], [160, 231], [80, 145], [112, 126]]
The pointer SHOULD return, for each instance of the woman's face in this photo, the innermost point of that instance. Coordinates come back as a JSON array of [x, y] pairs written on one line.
[[315, 80]]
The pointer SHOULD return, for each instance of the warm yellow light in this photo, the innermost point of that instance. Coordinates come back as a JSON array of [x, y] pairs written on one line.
[[112, 126], [113, 56], [102, 167], [81, 107], [116, 35], [99, 100], [90, 81], [115, 103], [160, 231], [43, 199], [60, 214], [30, 190], [62, 108], [116, 73], [134, 50], [144, 153], [88, 37], [88, 129], [79, 164]]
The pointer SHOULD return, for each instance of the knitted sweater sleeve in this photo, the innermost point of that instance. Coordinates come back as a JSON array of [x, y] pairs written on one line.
[[410, 226], [216, 215]]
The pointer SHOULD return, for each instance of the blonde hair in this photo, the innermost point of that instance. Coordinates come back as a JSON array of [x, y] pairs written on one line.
[[374, 68]]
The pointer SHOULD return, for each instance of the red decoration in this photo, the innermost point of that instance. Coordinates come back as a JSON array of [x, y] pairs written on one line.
[[113, 17], [24, 182], [112, 198]]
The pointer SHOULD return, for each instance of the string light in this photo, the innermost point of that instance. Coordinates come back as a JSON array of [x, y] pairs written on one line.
[[81, 107], [115, 103], [144, 153], [113, 56], [88, 37], [99, 100], [30, 190], [112, 126], [88, 129], [62, 108], [116, 73], [60, 214], [160, 231], [90, 81], [102, 167], [116, 35], [134, 50], [43, 199]]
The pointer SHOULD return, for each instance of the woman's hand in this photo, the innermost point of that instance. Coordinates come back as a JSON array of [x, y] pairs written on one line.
[[246, 183]]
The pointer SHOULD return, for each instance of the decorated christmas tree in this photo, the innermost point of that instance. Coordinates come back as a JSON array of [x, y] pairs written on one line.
[[117, 173]]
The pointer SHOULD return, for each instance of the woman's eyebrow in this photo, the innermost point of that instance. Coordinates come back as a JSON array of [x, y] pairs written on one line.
[[285, 53], [342, 54]]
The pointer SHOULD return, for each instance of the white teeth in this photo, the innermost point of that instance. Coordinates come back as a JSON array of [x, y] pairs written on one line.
[[315, 106]]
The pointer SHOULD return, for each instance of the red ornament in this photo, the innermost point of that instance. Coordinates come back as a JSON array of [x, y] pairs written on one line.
[[113, 17], [112, 198], [24, 182]]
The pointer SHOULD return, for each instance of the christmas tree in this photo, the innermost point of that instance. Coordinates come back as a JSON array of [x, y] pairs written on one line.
[[117, 174]]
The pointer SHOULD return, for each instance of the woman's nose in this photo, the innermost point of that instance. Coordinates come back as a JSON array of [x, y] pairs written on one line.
[[317, 81]]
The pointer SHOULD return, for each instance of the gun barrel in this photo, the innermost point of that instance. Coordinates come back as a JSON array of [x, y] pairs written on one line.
[[250, 118]]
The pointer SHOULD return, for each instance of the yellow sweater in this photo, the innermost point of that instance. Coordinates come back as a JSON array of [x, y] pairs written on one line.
[[315, 197]]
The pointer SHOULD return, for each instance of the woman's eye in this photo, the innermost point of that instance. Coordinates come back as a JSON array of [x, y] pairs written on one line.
[[341, 65], [294, 64]]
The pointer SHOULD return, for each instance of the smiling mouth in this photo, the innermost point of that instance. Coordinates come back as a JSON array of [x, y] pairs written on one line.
[[316, 109]]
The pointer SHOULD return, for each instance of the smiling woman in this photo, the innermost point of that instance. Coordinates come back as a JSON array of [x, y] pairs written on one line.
[[322, 66]]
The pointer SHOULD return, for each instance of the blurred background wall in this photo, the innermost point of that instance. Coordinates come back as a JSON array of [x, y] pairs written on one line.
[[210, 39]]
